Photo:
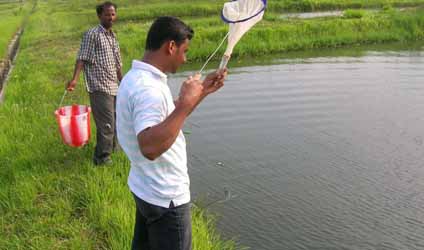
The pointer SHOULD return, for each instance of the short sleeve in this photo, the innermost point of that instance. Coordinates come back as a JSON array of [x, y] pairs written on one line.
[[148, 109], [87, 49]]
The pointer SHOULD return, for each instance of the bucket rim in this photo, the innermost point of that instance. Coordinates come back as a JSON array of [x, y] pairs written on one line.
[[56, 112]]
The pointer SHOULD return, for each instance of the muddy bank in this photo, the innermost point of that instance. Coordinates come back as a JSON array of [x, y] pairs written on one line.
[[6, 63]]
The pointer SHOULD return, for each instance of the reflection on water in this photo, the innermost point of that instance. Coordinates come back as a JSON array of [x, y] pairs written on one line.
[[319, 153], [335, 13], [308, 15]]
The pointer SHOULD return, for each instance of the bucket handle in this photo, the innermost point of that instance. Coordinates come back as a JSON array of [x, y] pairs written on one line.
[[63, 97]]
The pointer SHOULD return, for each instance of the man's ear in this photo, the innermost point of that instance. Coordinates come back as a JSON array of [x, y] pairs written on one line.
[[171, 47]]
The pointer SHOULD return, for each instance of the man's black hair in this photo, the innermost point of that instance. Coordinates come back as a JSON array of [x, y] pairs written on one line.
[[165, 29], [105, 5]]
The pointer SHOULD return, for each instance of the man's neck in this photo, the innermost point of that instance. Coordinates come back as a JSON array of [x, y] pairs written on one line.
[[153, 58], [107, 29]]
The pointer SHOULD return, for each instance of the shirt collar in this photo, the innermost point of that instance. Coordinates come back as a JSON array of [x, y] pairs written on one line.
[[103, 29], [136, 64]]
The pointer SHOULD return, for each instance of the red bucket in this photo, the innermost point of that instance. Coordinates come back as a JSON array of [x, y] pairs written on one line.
[[74, 124]]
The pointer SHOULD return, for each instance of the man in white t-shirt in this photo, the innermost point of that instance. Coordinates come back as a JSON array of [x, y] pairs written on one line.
[[149, 124]]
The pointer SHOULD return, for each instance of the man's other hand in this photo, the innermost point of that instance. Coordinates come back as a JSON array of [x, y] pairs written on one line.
[[70, 86]]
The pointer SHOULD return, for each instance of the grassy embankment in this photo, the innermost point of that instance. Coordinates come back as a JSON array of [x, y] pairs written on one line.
[[274, 34], [51, 196], [12, 15], [320, 5], [277, 35]]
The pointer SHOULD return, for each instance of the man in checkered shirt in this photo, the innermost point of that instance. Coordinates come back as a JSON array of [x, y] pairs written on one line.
[[100, 58]]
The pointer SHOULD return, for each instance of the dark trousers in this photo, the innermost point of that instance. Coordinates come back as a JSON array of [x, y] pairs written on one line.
[[103, 108], [159, 228]]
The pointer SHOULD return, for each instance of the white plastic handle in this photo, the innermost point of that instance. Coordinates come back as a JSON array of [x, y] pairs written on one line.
[[224, 61]]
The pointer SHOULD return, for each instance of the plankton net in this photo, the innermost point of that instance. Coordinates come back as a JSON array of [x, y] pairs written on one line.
[[241, 15]]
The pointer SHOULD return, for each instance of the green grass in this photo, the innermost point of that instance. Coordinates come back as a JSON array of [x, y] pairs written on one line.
[[272, 35], [277, 35], [352, 13], [12, 16], [320, 5], [173, 6]]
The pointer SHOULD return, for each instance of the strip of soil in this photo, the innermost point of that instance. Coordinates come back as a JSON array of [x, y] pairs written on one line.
[[6, 64]]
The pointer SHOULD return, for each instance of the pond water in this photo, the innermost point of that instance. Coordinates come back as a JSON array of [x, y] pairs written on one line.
[[308, 15], [334, 13], [321, 152]]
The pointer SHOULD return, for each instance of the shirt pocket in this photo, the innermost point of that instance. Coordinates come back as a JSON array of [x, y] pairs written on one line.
[[105, 55]]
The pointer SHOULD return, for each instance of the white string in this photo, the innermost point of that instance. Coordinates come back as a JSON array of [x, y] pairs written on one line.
[[210, 57], [61, 101]]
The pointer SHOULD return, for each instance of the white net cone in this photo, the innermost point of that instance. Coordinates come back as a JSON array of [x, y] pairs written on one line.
[[241, 15], [237, 30]]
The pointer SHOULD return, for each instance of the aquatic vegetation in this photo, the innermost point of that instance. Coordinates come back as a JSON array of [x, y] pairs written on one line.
[[351, 13]]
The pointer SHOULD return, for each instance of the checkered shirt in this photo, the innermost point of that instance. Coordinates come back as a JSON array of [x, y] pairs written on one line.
[[101, 55]]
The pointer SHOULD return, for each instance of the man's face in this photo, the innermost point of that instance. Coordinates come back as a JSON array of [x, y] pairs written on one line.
[[108, 17], [179, 57]]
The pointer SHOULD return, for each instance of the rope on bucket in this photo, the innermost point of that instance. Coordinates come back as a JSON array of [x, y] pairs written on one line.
[[63, 97]]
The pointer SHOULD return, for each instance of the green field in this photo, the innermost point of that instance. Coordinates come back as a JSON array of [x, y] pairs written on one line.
[[52, 197], [319, 5], [12, 16]]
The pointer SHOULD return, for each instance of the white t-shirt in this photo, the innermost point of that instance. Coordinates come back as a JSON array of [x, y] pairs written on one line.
[[144, 100]]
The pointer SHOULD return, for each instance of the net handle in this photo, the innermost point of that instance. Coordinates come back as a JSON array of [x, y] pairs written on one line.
[[210, 57], [224, 61]]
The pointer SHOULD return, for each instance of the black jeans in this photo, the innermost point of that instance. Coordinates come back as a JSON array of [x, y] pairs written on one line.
[[159, 228], [103, 107]]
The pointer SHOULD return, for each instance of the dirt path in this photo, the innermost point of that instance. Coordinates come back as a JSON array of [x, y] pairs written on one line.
[[6, 64]]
